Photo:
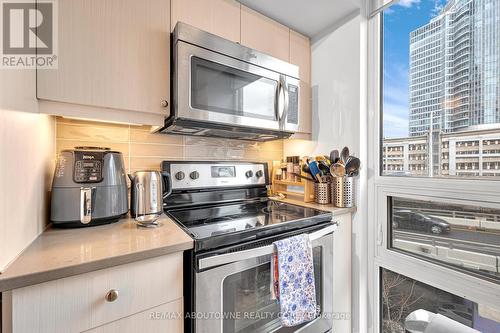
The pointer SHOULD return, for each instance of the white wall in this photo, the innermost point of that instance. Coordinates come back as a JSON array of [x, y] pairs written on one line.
[[27, 150], [339, 119], [335, 93]]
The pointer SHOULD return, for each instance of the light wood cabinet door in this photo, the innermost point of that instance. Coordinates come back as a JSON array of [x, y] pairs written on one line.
[[264, 34], [83, 302], [305, 105], [161, 319], [112, 54], [219, 17], [300, 55]]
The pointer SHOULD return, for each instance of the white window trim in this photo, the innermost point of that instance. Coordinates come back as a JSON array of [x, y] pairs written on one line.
[[379, 187]]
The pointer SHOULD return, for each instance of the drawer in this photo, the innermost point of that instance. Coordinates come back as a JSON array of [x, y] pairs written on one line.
[[164, 318], [79, 303]]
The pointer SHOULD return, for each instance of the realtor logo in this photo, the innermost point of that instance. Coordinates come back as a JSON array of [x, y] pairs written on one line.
[[29, 34]]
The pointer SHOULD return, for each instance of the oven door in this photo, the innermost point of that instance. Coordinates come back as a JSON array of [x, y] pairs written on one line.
[[235, 297], [216, 88]]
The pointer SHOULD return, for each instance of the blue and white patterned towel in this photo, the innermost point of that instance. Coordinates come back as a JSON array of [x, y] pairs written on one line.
[[295, 288]]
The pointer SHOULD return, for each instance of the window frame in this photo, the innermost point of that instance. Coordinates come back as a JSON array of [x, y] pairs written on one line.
[[475, 191]]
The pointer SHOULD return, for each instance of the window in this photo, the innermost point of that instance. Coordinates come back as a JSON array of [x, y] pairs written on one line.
[[441, 88], [459, 235], [434, 87], [401, 296]]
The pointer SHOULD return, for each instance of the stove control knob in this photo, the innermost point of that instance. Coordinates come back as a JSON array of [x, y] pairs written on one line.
[[259, 174], [194, 175], [180, 175], [249, 174]]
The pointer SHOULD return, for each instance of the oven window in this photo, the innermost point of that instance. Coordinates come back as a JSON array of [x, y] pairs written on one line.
[[247, 304], [223, 89]]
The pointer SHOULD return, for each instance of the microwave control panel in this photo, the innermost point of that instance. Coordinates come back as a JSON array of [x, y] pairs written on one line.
[[293, 104], [88, 167]]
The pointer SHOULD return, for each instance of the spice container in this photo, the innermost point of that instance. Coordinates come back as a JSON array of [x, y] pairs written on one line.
[[289, 168], [296, 167]]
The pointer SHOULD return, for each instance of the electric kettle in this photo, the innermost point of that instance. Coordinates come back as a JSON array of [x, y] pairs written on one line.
[[147, 191]]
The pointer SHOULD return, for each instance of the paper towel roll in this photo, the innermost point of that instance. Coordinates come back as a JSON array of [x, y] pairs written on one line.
[[442, 324]]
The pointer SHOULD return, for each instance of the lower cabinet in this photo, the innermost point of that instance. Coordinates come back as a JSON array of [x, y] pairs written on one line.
[[115, 297], [161, 319]]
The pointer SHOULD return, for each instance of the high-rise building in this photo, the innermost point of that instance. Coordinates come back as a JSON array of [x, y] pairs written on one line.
[[455, 69], [473, 153]]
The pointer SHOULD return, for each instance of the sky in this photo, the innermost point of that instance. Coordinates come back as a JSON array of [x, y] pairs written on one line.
[[399, 20]]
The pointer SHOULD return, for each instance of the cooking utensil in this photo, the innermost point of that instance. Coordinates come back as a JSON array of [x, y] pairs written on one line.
[[306, 169], [303, 177], [352, 166], [324, 168], [315, 171], [334, 156], [337, 169], [344, 155]]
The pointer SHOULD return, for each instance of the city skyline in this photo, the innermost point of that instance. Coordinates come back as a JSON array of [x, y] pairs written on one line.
[[399, 21], [459, 96], [452, 84], [454, 69]]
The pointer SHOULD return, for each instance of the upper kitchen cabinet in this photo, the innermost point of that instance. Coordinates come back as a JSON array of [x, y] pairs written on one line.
[[219, 17], [113, 54], [264, 34], [300, 55]]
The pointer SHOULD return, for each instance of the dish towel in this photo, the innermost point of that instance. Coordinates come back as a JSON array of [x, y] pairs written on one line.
[[293, 284]]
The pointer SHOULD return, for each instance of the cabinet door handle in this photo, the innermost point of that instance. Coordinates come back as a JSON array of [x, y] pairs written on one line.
[[164, 103], [111, 295], [380, 235]]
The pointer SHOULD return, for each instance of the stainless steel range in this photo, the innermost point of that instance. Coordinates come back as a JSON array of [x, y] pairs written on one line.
[[224, 207]]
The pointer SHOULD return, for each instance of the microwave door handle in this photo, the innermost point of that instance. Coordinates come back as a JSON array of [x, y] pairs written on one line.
[[282, 107], [277, 103], [228, 258]]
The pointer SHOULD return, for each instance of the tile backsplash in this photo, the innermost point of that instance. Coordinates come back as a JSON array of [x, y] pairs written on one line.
[[143, 150]]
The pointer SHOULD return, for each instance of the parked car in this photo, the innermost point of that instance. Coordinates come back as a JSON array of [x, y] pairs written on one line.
[[458, 312], [412, 220]]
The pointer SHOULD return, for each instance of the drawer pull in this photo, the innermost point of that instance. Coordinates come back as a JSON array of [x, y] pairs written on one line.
[[112, 295]]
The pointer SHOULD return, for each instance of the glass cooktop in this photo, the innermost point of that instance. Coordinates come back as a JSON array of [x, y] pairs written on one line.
[[225, 224]]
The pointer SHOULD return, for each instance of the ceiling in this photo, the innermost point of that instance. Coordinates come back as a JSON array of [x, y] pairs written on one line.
[[309, 17]]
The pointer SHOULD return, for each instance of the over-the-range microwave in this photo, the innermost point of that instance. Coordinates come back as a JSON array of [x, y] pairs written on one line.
[[223, 89]]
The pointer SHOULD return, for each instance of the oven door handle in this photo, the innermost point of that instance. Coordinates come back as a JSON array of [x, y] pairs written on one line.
[[228, 258]]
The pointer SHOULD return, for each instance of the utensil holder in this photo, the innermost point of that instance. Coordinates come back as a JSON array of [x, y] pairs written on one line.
[[322, 193], [343, 191]]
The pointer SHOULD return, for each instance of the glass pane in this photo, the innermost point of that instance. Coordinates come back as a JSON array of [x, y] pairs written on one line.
[[441, 89], [401, 296], [223, 89], [247, 304], [463, 236]]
